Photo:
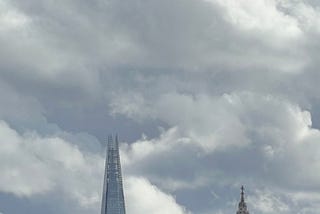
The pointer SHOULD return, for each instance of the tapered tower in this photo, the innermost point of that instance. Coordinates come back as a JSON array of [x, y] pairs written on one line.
[[112, 196], [242, 208]]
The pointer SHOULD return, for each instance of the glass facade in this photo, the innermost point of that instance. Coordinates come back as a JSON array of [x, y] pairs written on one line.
[[113, 198]]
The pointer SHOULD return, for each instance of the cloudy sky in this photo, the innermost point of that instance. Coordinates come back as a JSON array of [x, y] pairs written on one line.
[[206, 95]]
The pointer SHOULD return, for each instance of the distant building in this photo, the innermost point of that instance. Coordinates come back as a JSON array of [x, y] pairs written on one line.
[[242, 208], [112, 196]]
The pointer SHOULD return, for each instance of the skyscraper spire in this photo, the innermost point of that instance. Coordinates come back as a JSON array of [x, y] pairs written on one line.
[[112, 196], [242, 194], [242, 208]]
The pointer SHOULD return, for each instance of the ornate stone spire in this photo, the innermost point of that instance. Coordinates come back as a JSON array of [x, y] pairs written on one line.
[[242, 204]]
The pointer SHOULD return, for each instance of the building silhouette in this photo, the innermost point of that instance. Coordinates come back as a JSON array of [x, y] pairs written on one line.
[[242, 207], [112, 196]]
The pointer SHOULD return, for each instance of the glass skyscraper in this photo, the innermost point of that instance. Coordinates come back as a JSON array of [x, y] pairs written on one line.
[[112, 196]]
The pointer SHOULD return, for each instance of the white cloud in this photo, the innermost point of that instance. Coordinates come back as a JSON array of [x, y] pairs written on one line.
[[143, 197], [183, 70], [208, 120], [277, 136], [33, 165], [261, 16], [306, 15], [130, 105], [10, 18]]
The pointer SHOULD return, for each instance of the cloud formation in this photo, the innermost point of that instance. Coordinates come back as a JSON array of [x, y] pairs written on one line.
[[32, 164], [277, 148], [206, 95]]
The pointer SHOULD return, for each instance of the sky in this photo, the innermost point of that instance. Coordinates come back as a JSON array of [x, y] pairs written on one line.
[[205, 95]]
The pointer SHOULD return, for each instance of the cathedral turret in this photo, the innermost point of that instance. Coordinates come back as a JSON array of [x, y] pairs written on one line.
[[242, 208]]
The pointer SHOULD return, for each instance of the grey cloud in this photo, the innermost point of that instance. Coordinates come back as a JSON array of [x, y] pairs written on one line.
[[277, 149], [45, 167], [226, 81]]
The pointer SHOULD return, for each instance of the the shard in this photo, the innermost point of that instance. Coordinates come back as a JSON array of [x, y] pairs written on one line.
[[112, 196]]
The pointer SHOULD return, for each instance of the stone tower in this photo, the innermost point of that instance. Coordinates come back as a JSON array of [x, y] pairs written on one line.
[[242, 208]]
